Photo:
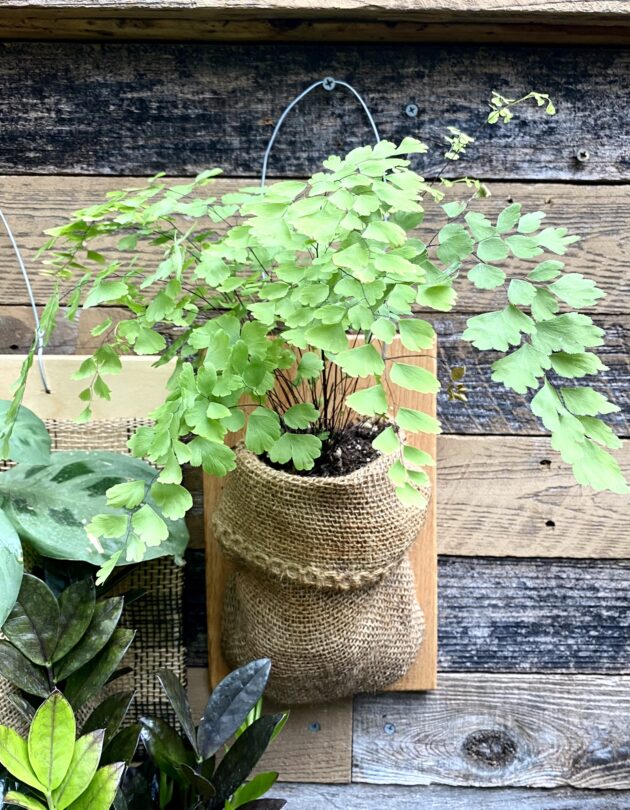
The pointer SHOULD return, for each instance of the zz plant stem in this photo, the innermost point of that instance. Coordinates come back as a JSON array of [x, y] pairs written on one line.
[[277, 302]]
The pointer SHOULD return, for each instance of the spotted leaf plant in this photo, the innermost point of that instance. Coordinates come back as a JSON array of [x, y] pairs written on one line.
[[286, 310]]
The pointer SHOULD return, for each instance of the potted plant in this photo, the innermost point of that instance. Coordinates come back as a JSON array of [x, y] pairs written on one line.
[[274, 304]]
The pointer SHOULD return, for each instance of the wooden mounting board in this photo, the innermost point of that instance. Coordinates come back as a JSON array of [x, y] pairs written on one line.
[[422, 674], [136, 391]]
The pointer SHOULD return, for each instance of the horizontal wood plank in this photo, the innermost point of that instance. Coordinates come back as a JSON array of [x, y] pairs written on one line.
[[596, 213], [180, 108], [441, 797], [502, 615], [496, 731], [490, 407], [314, 746], [581, 10], [513, 496], [191, 25]]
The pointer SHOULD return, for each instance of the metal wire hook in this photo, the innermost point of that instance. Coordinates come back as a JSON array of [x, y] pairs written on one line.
[[328, 83], [39, 335]]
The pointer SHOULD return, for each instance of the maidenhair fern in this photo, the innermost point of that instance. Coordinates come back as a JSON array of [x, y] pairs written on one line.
[[276, 302]]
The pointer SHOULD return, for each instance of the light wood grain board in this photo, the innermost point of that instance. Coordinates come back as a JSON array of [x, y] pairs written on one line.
[[597, 213], [423, 554], [136, 391], [57, 122], [314, 746], [440, 797], [498, 731]]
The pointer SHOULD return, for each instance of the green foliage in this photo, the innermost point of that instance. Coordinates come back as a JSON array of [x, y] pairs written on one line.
[[72, 643], [88, 506], [285, 297], [61, 771], [191, 777]]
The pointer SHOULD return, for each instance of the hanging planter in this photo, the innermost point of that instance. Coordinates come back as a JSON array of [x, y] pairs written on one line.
[[323, 583]]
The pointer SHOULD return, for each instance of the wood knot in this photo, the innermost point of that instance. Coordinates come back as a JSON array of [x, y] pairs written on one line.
[[490, 748]]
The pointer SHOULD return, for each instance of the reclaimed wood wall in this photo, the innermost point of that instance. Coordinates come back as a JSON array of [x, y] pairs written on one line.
[[534, 686]]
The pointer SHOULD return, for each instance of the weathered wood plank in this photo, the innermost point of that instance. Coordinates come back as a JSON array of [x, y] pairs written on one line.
[[597, 213], [503, 615], [510, 496], [147, 24], [585, 11], [441, 797], [59, 116], [490, 407], [498, 730], [315, 745]]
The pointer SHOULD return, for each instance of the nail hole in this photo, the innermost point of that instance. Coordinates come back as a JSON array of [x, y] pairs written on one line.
[[582, 155], [510, 200], [550, 523], [545, 462], [14, 347], [389, 728], [314, 726]]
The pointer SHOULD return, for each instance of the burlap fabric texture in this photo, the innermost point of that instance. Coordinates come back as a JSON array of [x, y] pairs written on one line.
[[157, 618], [322, 585]]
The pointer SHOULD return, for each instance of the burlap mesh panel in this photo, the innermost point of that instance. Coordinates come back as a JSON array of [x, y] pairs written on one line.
[[157, 617], [323, 585]]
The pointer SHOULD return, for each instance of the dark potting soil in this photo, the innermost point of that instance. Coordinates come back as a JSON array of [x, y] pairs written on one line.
[[343, 452]]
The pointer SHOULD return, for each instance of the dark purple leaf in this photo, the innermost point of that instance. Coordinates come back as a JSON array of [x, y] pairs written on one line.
[[17, 669], [230, 703], [109, 715], [76, 604], [33, 624], [178, 699], [90, 679], [104, 621]]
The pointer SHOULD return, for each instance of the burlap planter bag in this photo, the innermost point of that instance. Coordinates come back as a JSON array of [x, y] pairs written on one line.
[[339, 532], [323, 585]]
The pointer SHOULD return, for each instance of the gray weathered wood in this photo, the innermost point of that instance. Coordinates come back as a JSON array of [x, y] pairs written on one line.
[[140, 108], [502, 615], [441, 797], [496, 731], [490, 408]]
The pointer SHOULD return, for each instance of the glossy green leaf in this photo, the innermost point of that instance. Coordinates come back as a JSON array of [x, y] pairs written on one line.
[[254, 789], [51, 741], [16, 668], [109, 715], [230, 703], [242, 758], [11, 566], [91, 678], [165, 747], [178, 699], [33, 624], [14, 757], [105, 618], [123, 747], [201, 785], [76, 609], [81, 770], [30, 441], [102, 790], [16, 799]]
